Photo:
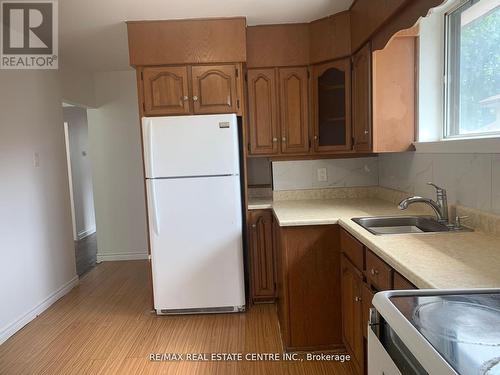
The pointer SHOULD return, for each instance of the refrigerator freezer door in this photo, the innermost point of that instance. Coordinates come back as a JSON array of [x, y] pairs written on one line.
[[196, 242], [186, 146]]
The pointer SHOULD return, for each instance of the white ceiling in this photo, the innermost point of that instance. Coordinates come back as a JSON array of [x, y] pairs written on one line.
[[93, 34]]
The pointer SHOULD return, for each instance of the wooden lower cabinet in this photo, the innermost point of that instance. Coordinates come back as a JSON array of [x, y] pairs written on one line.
[[261, 255], [308, 285], [363, 274], [352, 311]]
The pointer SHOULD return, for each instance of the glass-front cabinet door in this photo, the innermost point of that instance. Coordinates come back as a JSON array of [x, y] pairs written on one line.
[[331, 99]]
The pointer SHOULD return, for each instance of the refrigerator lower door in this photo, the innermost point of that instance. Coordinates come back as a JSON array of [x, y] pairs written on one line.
[[196, 244]]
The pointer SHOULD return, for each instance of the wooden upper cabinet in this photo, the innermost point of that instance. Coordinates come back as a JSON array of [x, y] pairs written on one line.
[[330, 38], [165, 91], [361, 99], [294, 115], [331, 92], [263, 112], [214, 89], [195, 41], [261, 255], [394, 93]]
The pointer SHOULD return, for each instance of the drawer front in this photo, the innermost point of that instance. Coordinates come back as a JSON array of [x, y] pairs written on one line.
[[400, 283], [353, 249], [378, 273]]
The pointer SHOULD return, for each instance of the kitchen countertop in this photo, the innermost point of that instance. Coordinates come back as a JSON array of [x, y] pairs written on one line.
[[260, 203], [430, 260]]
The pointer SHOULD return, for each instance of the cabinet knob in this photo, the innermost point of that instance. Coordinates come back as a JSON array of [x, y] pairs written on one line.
[[374, 271], [195, 98], [357, 299], [275, 139], [254, 225], [185, 97], [366, 131], [283, 139], [316, 137]]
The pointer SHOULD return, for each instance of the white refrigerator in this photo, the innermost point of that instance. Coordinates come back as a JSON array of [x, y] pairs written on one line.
[[195, 214]]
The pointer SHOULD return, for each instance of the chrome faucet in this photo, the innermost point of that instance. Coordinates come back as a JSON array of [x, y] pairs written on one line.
[[440, 206]]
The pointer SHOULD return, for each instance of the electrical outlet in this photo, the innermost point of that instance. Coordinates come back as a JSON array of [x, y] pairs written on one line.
[[322, 175]]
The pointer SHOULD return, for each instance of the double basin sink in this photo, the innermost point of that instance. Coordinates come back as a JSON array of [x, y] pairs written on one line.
[[404, 224]]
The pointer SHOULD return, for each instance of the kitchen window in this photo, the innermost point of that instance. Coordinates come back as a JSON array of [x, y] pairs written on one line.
[[472, 70]]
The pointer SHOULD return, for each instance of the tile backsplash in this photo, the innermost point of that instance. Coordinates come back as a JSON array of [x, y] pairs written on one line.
[[471, 180], [303, 174]]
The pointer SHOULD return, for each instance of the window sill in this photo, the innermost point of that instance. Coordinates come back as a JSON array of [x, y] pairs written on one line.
[[460, 146]]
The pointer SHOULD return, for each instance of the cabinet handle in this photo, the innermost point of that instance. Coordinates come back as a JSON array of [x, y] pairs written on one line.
[[195, 98], [374, 271], [357, 299], [275, 139], [283, 139], [185, 97]]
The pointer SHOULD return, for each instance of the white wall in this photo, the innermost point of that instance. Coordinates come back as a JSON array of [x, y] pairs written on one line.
[[37, 257], [81, 170], [303, 174], [115, 149], [77, 87]]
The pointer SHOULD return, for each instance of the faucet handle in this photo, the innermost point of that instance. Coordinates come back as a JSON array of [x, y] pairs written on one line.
[[438, 188], [458, 220]]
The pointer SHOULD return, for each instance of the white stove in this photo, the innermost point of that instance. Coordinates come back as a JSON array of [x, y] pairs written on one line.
[[441, 332]]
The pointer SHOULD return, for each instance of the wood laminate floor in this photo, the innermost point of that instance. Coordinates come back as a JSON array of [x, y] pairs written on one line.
[[104, 326]]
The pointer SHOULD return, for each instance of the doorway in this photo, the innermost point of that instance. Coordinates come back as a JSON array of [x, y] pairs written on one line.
[[80, 187]]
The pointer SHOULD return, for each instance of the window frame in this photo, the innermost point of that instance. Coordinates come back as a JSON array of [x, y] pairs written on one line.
[[451, 110]]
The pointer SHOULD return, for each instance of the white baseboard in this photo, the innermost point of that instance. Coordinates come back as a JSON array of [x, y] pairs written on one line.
[[107, 257], [19, 323], [85, 233]]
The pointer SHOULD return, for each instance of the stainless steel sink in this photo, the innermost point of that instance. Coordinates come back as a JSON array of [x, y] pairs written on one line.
[[401, 224]]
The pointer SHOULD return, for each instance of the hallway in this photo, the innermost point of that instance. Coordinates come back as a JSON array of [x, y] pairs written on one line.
[[86, 254], [105, 326]]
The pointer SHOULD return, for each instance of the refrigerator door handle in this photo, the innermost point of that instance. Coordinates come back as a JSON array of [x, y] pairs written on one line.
[[147, 130], [154, 209]]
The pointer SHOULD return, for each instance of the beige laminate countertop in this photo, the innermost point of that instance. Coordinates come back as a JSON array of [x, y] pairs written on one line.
[[260, 203], [430, 260]]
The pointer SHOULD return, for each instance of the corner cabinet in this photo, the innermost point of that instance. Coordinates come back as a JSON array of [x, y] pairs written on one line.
[[331, 102], [362, 99], [191, 89], [261, 254], [278, 107]]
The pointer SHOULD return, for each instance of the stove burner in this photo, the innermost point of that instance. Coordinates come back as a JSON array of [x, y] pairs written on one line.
[[461, 322]]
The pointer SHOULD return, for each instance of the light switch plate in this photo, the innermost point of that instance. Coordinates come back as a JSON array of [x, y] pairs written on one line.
[[322, 175]]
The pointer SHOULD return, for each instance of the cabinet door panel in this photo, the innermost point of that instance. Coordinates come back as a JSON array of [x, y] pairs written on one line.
[[361, 99], [294, 110], [263, 112], [262, 255], [331, 102], [214, 89], [165, 91], [352, 309]]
